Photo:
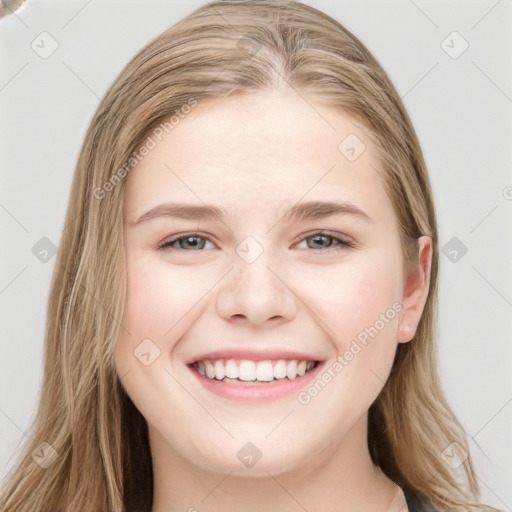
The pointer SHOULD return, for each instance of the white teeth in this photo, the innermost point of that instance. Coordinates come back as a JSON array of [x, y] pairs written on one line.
[[291, 370], [280, 369], [220, 371], [246, 370], [210, 371], [264, 371], [231, 369]]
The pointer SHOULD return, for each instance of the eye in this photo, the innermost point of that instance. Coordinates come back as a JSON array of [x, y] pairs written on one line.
[[322, 240], [195, 242], [189, 241]]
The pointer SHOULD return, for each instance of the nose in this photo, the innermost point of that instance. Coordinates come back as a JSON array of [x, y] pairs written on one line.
[[256, 293]]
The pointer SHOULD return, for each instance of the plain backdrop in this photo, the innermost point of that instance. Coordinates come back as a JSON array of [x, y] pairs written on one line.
[[450, 62]]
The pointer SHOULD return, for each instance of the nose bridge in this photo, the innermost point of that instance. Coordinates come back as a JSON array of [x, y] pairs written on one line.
[[255, 289]]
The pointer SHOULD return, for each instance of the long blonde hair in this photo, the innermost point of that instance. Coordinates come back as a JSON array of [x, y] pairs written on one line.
[[102, 458]]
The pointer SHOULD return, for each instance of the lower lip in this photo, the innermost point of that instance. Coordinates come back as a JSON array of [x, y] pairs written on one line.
[[257, 392]]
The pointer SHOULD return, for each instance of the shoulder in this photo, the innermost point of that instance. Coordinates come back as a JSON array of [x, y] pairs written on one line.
[[414, 504]]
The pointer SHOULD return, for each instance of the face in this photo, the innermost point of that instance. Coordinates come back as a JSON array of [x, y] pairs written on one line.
[[243, 287]]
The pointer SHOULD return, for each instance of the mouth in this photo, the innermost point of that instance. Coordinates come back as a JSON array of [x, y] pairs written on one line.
[[245, 371], [254, 380]]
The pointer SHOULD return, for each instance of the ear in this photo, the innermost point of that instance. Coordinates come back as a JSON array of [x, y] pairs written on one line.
[[415, 292]]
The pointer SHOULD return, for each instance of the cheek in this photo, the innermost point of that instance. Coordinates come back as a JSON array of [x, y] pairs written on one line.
[[161, 304], [162, 299], [351, 296]]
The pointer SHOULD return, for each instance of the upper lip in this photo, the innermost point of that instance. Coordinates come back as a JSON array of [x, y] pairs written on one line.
[[272, 354]]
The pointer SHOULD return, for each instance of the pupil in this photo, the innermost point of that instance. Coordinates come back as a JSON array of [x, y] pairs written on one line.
[[190, 240], [321, 237]]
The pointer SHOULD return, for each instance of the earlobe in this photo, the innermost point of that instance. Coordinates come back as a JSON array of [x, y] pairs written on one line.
[[415, 291]]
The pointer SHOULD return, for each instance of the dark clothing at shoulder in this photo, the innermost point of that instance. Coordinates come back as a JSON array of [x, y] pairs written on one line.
[[414, 504]]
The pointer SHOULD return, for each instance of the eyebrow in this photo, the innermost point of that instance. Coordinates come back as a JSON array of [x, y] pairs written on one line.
[[299, 212]]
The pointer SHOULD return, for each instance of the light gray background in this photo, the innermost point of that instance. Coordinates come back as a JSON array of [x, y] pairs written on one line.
[[461, 108]]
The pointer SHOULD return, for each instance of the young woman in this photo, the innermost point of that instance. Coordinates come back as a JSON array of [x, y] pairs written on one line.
[[242, 315]]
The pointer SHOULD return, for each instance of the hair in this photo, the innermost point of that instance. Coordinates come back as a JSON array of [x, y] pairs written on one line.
[[103, 457]]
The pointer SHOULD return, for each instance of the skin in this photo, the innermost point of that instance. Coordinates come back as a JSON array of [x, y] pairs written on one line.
[[256, 155]]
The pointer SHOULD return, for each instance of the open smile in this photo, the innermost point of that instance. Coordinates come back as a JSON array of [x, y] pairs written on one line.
[[250, 380]]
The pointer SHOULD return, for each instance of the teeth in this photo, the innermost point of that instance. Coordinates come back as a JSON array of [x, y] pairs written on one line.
[[220, 372], [246, 370], [231, 369], [291, 370], [264, 371], [210, 370], [280, 369]]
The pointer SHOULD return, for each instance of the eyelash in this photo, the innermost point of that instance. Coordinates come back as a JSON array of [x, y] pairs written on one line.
[[339, 242]]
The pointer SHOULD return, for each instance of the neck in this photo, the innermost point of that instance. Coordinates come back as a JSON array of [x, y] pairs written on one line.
[[340, 477]]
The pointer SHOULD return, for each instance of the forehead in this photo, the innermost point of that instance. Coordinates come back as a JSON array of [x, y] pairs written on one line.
[[260, 151]]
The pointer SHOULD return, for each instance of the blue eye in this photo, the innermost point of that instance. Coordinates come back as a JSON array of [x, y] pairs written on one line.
[[183, 241], [319, 241], [194, 242]]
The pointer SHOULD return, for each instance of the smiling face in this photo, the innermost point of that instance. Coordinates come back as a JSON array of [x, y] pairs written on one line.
[[259, 286]]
